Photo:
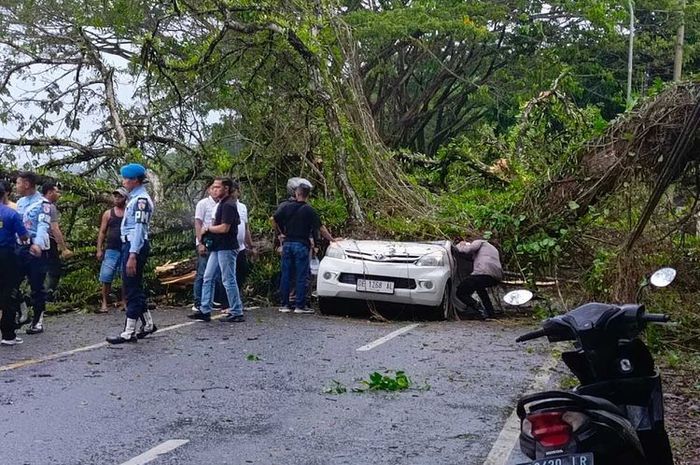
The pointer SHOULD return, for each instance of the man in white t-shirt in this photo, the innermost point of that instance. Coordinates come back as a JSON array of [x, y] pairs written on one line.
[[245, 241], [203, 216]]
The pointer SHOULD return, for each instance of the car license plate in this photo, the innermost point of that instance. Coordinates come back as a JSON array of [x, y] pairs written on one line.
[[572, 459], [370, 285]]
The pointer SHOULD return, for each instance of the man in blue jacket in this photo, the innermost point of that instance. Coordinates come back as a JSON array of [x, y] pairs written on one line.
[[11, 229]]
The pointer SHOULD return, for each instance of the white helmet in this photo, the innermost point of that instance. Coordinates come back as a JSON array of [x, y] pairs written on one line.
[[293, 183]]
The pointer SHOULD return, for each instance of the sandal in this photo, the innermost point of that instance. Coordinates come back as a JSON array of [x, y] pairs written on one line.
[[102, 310]]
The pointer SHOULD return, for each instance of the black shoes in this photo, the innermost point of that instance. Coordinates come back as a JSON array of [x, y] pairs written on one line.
[[35, 329], [143, 332], [233, 319], [120, 340], [199, 316]]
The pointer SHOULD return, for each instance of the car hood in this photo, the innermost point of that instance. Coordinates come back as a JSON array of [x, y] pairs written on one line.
[[390, 249]]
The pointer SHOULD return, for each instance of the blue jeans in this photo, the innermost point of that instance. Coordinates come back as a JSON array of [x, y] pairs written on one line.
[[219, 292], [199, 278], [133, 290], [34, 268], [221, 263], [295, 262], [111, 264]]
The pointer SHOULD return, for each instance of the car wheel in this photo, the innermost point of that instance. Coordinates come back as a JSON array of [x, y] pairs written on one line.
[[324, 305], [447, 309]]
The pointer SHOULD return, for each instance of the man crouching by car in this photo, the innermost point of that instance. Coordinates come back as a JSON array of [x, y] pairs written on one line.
[[487, 273], [298, 222]]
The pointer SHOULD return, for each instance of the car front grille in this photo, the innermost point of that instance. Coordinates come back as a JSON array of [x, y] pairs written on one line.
[[399, 283]]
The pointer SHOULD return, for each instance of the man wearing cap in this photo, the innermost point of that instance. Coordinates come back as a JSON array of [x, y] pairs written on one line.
[[37, 215], [11, 228], [299, 224], [135, 250], [109, 243]]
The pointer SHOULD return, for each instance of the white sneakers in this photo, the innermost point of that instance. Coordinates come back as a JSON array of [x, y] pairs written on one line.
[[296, 310], [11, 342], [303, 310]]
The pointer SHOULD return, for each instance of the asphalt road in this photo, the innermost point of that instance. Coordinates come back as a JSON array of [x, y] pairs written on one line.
[[255, 392]]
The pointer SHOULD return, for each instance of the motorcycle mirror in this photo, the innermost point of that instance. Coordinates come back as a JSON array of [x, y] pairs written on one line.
[[518, 297], [663, 277]]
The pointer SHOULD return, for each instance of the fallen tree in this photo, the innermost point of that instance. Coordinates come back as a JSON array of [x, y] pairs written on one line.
[[636, 146]]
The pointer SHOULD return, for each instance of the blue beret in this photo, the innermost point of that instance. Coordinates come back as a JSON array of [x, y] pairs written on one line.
[[132, 171]]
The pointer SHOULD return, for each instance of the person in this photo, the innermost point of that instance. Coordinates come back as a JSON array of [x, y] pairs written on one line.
[[203, 217], [11, 229], [58, 249], [135, 250], [109, 244], [223, 252], [37, 215], [487, 272], [245, 240], [299, 224]]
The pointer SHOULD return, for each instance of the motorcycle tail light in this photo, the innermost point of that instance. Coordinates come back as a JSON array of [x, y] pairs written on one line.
[[575, 419], [548, 428]]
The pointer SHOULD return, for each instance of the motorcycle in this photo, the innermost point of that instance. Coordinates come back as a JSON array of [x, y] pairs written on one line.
[[616, 415]]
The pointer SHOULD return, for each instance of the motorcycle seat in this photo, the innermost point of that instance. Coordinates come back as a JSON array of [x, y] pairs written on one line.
[[559, 399], [605, 405]]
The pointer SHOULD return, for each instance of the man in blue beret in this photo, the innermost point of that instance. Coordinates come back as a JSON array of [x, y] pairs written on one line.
[[135, 250]]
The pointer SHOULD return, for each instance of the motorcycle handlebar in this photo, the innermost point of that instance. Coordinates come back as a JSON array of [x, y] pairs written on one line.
[[656, 318], [530, 336]]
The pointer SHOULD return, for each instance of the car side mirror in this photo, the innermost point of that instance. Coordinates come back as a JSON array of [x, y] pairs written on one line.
[[518, 297], [663, 277]]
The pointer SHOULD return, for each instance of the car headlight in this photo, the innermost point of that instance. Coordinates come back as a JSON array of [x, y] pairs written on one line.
[[432, 259], [335, 251]]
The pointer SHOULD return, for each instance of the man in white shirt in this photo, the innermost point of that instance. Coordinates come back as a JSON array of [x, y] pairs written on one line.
[[245, 241], [203, 217]]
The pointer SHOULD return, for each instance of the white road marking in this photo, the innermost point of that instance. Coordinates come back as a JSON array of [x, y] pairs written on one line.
[[501, 449], [160, 449], [386, 338], [46, 358]]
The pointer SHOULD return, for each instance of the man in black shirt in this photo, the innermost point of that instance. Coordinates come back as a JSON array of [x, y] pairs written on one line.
[[222, 253], [298, 222]]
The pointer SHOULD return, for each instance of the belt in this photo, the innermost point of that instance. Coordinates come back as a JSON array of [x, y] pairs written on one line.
[[125, 239]]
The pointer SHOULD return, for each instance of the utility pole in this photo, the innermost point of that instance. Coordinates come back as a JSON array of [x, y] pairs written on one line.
[[630, 55], [680, 39]]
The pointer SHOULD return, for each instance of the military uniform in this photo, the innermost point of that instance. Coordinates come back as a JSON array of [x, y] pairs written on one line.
[[37, 215], [135, 240]]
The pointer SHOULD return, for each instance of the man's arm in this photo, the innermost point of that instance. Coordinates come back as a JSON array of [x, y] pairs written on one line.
[[326, 234], [19, 228], [102, 233], [198, 224], [58, 235], [315, 225], [469, 248], [222, 228], [248, 237], [229, 218]]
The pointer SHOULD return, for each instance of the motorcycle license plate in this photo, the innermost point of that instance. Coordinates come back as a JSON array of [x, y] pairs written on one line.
[[571, 459]]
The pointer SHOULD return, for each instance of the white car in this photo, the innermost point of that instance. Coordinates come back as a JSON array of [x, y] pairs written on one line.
[[411, 273]]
